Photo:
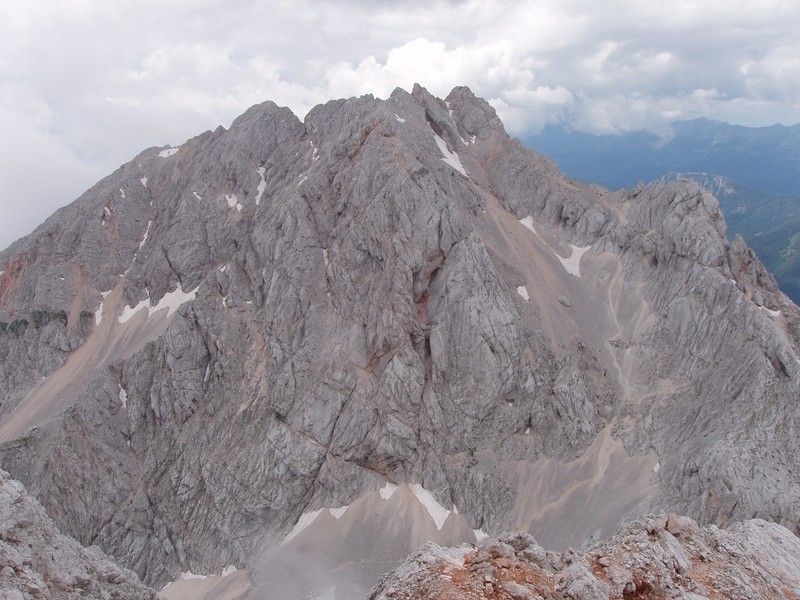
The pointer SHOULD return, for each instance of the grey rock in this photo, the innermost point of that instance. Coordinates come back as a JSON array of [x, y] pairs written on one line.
[[518, 541], [38, 561], [577, 582], [494, 551], [412, 575], [534, 554], [355, 322], [752, 559], [517, 591]]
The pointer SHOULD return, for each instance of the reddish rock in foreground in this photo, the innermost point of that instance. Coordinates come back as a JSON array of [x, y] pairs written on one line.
[[658, 556]]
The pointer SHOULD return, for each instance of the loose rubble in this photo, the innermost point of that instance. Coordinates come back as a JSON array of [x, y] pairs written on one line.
[[654, 557]]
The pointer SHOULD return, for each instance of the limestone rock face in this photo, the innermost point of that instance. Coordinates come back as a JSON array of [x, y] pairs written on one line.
[[39, 562], [657, 556], [284, 316]]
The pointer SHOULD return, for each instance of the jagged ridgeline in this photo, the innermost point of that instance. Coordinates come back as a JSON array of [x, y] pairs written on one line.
[[315, 345]]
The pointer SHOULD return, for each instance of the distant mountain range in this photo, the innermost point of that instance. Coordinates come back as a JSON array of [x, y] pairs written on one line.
[[763, 158], [754, 172]]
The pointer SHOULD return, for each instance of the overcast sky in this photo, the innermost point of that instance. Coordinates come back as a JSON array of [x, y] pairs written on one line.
[[85, 85]]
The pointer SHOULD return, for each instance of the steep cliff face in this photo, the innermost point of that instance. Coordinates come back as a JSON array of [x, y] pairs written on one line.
[[36, 561], [285, 316]]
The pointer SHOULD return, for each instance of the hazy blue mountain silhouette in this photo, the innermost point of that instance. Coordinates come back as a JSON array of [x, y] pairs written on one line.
[[763, 158]]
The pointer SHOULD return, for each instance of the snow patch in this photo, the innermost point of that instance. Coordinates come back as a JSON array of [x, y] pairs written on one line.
[[144, 181], [399, 119], [304, 521], [437, 512], [315, 153], [232, 200], [196, 195], [523, 291], [302, 180], [129, 311], [187, 575], [657, 467], [451, 158], [146, 233], [480, 535], [387, 490], [171, 301], [528, 222], [168, 152], [573, 263], [98, 314], [771, 313], [472, 139], [229, 570], [123, 397], [337, 513], [262, 185], [121, 192], [325, 256]]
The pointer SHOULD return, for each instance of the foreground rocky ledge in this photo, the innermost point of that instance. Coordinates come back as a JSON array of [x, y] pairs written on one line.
[[36, 561], [653, 557]]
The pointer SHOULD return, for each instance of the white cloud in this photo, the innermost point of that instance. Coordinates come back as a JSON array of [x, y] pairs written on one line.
[[33, 163], [89, 84]]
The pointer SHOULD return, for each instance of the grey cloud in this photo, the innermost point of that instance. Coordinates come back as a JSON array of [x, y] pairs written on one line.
[[108, 80]]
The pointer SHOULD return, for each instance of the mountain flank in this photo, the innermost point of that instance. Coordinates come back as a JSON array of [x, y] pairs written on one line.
[[37, 561], [753, 172], [388, 313]]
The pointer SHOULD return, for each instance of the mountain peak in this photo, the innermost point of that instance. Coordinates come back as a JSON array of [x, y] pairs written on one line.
[[275, 326]]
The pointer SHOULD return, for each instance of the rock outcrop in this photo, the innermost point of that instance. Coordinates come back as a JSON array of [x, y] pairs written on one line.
[[37, 561], [282, 317], [657, 556]]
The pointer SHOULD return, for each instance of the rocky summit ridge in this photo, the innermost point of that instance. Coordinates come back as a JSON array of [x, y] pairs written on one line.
[[390, 311], [657, 556]]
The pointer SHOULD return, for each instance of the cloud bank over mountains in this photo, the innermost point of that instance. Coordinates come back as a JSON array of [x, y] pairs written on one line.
[[85, 85]]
